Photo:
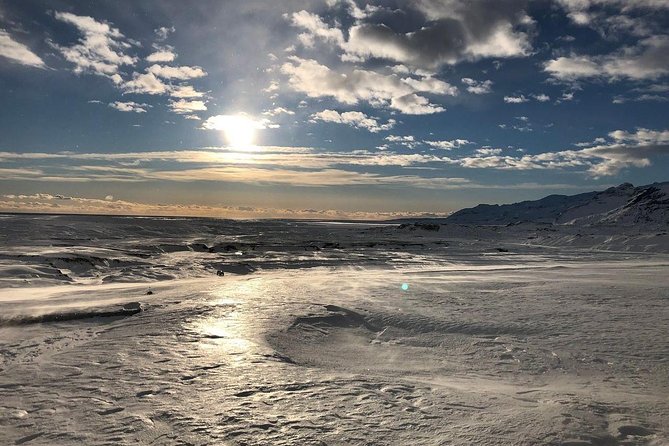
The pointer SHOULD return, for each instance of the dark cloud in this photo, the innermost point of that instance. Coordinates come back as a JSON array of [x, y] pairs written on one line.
[[450, 32]]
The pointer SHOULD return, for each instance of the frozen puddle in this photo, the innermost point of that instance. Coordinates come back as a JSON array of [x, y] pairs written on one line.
[[574, 354]]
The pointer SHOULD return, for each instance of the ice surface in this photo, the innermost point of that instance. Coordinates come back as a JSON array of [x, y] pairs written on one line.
[[525, 335]]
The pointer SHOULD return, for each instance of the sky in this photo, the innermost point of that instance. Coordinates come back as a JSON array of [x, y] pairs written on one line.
[[327, 109]]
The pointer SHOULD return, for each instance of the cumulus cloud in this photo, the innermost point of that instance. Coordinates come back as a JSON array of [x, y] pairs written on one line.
[[145, 83], [100, 50], [404, 140], [162, 55], [18, 52], [185, 92], [649, 59], [413, 104], [488, 151], [179, 73], [515, 99], [151, 82], [315, 27], [316, 80], [452, 31], [184, 106], [400, 138], [354, 119], [163, 32], [129, 106], [477, 87], [429, 84], [448, 144]]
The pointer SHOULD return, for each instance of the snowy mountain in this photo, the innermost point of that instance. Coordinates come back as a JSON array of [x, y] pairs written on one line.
[[621, 205]]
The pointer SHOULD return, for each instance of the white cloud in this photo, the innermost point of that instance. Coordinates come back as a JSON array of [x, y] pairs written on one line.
[[272, 87], [572, 67], [541, 97], [515, 99], [354, 119], [431, 85], [278, 111], [145, 83], [180, 73], [647, 60], [129, 106], [641, 136], [184, 106], [488, 151], [306, 166], [316, 80], [448, 144], [626, 149], [400, 138], [185, 92], [405, 140], [18, 52], [611, 18], [477, 87], [162, 55], [566, 96], [163, 32], [413, 104], [315, 28], [99, 51]]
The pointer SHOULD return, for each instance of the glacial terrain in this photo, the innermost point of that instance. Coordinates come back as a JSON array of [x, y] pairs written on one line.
[[536, 323]]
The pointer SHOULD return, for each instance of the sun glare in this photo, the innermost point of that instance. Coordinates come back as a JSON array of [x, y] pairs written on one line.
[[239, 131]]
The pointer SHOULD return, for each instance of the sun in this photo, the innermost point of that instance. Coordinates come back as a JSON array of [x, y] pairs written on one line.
[[239, 130]]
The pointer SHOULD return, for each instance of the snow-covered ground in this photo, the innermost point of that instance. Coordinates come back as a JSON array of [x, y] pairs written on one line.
[[504, 335]]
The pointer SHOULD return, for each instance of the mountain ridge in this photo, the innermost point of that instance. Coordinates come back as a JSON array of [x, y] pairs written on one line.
[[620, 205]]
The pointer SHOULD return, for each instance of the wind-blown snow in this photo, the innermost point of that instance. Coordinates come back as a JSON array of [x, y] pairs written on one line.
[[120, 331]]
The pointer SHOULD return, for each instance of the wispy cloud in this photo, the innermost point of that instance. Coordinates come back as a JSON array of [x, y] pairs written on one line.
[[649, 59], [18, 52], [100, 50], [129, 106], [477, 87], [57, 203]]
